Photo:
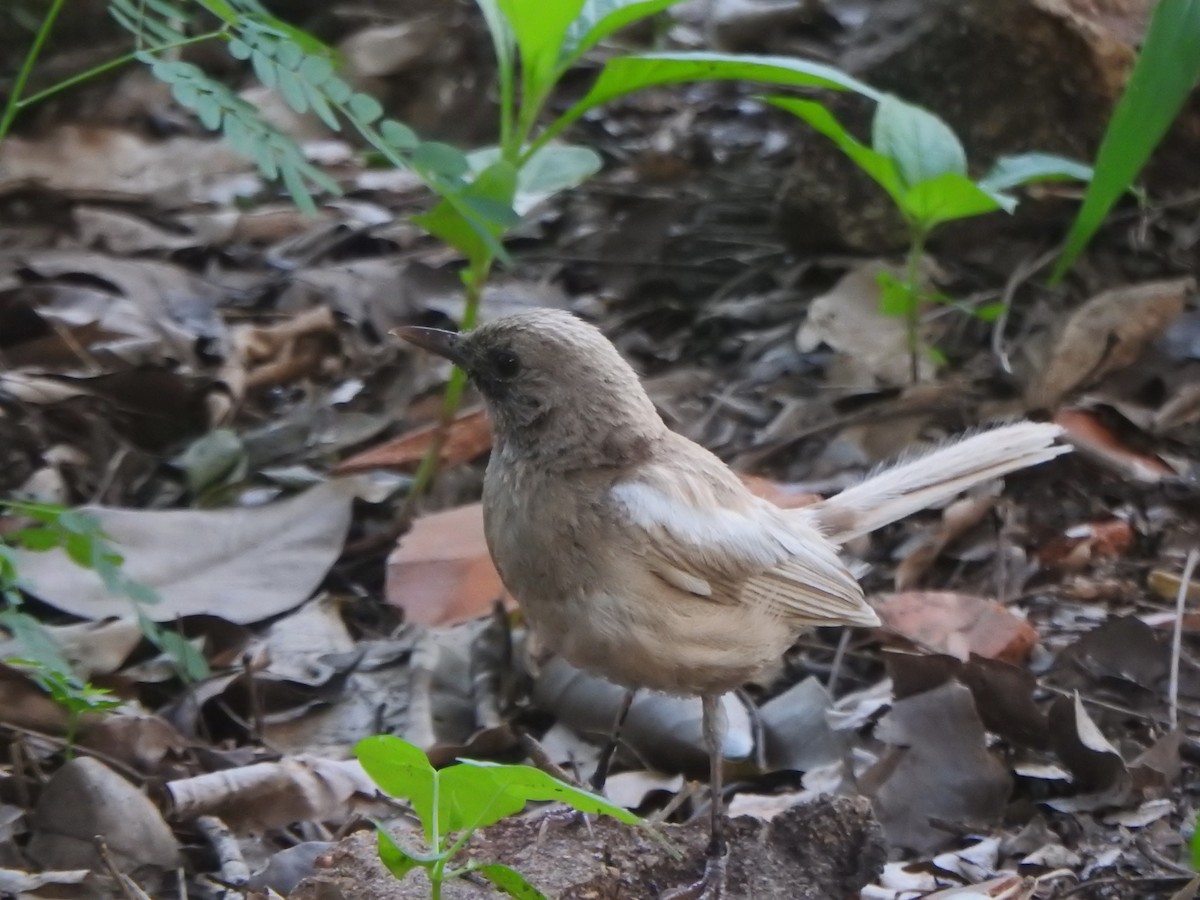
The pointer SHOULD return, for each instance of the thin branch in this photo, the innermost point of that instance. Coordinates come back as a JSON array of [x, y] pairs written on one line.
[[1189, 568]]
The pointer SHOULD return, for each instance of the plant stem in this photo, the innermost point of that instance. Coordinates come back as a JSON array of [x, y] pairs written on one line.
[[35, 49], [475, 280], [111, 64], [912, 315]]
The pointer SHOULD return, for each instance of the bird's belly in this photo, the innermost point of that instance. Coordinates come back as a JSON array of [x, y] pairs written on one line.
[[692, 646]]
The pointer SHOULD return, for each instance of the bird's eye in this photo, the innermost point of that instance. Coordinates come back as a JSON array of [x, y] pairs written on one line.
[[506, 365]]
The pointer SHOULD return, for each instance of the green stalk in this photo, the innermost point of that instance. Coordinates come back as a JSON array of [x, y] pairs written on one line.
[[912, 314], [35, 49], [475, 280], [111, 64]]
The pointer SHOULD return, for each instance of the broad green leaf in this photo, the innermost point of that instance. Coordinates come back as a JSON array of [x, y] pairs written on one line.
[[540, 28], [1028, 168], [600, 18], [626, 74], [553, 168], [402, 770], [921, 144], [471, 798], [1166, 71], [947, 197], [393, 856], [528, 783], [510, 881], [450, 222], [875, 164]]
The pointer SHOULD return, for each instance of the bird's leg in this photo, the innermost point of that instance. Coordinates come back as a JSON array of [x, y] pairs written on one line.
[[570, 816], [712, 885], [600, 776]]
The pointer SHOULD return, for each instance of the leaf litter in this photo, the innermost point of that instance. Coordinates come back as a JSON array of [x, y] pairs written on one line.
[[1009, 724]]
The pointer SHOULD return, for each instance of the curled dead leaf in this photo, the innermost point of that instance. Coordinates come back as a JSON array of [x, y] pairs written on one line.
[[1108, 333]]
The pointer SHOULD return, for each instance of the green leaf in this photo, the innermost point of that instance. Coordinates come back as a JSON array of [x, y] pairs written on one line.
[[540, 29], [921, 144], [947, 197], [337, 90], [402, 770], [239, 49], [316, 70], [289, 54], [222, 10], [297, 188], [321, 107], [896, 297], [470, 798], [218, 457], [1028, 168], [441, 158], [264, 68], [398, 135], [626, 74], [393, 856], [292, 90], [1166, 71], [208, 110], [364, 107], [600, 18], [553, 168], [881, 168], [510, 881], [35, 639], [453, 223], [527, 783]]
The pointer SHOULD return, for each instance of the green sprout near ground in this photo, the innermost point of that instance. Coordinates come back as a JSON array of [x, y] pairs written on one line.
[[455, 802]]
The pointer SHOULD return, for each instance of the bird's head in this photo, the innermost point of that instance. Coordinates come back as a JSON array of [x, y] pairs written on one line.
[[555, 386]]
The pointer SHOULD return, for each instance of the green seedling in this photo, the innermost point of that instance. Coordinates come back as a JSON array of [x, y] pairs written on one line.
[[920, 163], [76, 697], [455, 802], [84, 544]]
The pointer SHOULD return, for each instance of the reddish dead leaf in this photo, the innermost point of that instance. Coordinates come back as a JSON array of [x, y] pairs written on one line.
[[469, 436], [786, 496], [1095, 440], [957, 624], [441, 572], [1085, 543]]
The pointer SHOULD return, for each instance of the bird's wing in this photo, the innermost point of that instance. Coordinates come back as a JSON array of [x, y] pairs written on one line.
[[702, 532]]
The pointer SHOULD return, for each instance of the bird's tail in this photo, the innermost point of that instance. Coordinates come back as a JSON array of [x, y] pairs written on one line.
[[933, 478]]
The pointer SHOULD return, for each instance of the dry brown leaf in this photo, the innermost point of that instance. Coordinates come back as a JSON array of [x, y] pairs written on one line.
[[957, 519], [86, 798], [242, 565], [957, 624], [469, 436], [441, 572], [1108, 333], [938, 767]]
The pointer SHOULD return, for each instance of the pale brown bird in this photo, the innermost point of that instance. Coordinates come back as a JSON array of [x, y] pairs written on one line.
[[640, 556]]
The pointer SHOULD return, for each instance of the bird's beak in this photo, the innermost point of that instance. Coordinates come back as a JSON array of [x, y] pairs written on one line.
[[443, 343]]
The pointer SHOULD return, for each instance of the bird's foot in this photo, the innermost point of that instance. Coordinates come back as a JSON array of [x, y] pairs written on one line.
[[561, 817], [710, 887]]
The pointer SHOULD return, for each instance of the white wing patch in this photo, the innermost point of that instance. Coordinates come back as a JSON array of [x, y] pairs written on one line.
[[756, 556]]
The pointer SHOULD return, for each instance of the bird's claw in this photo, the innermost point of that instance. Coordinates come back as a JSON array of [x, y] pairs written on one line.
[[561, 817], [710, 887]]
